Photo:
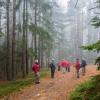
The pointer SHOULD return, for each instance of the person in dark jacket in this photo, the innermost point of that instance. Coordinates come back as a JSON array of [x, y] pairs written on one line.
[[83, 66], [35, 69], [97, 62], [52, 67]]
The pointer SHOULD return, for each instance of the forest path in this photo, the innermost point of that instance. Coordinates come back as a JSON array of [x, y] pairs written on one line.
[[58, 88]]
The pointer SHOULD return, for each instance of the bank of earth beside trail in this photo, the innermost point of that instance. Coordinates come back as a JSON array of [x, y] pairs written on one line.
[[90, 90]]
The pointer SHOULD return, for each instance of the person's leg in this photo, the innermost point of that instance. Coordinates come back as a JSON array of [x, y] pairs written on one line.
[[37, 78], [62, 70], [68, 69], [85, 69], [53, 74], [77, 73], [58, 68], [82, 70], [99, 67]]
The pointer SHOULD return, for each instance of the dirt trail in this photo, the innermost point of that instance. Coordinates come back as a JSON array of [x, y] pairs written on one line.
[[58, 88]]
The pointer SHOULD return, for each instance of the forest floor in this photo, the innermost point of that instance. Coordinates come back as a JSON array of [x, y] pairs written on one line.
[[58, 88]]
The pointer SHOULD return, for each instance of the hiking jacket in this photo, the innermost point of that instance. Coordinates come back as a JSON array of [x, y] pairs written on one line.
[[35, 68], [83, 64], [52, 66], [77, 65]]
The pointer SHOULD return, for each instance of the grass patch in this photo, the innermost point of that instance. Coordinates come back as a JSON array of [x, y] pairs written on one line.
[[89, 90], [10, 87]]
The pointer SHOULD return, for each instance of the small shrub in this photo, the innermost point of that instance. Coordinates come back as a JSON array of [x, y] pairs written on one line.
[[89, 90]]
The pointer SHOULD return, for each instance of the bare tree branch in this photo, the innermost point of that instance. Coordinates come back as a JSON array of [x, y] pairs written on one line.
[[93, 8], [96, 13], [76, 3]]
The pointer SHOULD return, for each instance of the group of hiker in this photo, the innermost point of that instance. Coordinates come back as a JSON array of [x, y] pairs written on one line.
[[63, 66], [81, 65]]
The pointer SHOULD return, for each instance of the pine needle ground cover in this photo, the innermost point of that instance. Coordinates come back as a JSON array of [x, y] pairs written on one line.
[[14, 86]]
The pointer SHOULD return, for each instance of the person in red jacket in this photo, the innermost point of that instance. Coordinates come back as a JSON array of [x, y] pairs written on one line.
[[77, 67], [35, 69]]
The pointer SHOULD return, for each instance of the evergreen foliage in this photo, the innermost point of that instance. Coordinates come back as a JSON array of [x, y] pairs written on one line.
[[28, 33], [95, 46], [96, 22]]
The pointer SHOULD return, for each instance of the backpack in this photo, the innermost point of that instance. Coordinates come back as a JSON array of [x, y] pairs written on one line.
[[33, 68]]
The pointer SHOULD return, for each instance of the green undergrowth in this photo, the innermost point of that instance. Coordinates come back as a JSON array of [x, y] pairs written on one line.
[[89, 90], [14, 86]]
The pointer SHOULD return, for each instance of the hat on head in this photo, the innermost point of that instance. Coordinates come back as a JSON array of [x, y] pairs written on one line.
[[77, 59], [52, 59], [36, 61]]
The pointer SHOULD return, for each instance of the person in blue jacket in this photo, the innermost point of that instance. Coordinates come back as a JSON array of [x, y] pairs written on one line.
[[53, 68], [83, 66]]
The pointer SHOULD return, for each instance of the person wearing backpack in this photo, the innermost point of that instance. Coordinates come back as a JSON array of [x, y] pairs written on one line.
[[35, 69], [52, 67], [97, 62], [77, 67], [83, 66]]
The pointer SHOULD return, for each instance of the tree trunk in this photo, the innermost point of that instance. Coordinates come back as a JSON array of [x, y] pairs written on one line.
[[35, 36], [24, 45], [32, 49], [41, 53], [14, 42], [0, 19], [39, 49], [9, 61], [27, 70]]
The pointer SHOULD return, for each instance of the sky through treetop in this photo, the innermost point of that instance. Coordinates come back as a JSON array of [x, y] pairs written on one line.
[[63, 4]]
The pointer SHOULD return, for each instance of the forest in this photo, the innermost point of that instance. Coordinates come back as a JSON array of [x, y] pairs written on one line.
[[46, 30], [26, 30]]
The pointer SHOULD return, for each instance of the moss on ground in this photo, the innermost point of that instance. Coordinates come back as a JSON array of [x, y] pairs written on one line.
[[89, 90]]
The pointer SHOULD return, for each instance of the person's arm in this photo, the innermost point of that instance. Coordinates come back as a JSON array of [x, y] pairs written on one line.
[[33, 67], [55, 66]]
